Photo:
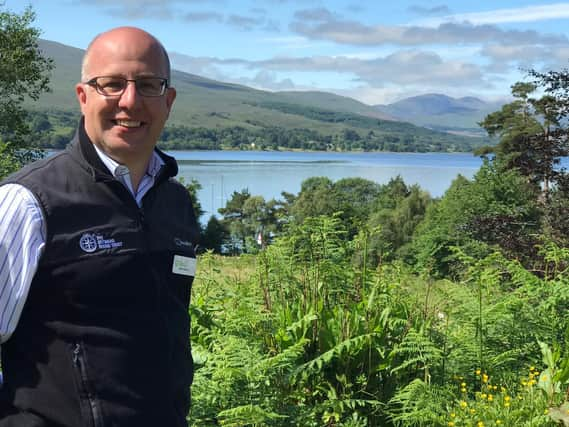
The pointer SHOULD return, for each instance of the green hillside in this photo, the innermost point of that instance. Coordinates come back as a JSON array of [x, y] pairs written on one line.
[[442, 112], [319, 117]]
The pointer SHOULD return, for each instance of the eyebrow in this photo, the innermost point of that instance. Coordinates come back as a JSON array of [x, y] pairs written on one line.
[[124, 76]]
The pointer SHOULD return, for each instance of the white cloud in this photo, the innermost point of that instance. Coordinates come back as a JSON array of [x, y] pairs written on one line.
[[356, 33], [401, 67], [435, 10], [503, 16]]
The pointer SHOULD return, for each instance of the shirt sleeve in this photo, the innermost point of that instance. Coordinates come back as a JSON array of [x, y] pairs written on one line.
[[22, 239]]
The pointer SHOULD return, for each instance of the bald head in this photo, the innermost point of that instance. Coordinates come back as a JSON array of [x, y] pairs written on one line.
[[125, 126], [122, 35]]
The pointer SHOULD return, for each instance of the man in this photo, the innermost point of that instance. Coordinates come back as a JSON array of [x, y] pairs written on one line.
[[97, 259]]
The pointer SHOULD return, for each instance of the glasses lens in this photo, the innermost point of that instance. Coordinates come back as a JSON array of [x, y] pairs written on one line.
[[150, 86], [110, 86], [115, 86]]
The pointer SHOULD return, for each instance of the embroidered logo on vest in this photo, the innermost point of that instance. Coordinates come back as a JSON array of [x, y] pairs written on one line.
[[88, 243], [182, 243], [91, 242]]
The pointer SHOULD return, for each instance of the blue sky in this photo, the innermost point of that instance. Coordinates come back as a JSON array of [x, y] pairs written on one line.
[[375, 51]]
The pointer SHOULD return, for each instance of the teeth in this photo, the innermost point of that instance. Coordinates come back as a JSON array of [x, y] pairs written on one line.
[[129, 123]]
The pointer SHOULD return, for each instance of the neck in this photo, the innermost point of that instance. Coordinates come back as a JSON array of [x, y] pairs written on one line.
[[137, 166]]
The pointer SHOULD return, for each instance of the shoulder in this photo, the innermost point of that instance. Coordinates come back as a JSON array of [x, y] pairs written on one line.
[[178, 191], [36, 181], [16, 199], [38, 168]]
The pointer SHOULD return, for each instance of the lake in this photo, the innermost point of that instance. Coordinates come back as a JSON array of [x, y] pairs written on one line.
[[267, 173]]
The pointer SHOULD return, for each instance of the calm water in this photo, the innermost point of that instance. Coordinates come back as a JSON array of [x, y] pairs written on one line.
[[268, 173]]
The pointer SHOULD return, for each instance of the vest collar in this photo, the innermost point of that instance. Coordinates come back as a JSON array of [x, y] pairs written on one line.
[[82, 149]]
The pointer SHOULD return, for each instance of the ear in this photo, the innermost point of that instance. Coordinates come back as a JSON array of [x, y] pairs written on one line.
[[170, 97], [81, 94]]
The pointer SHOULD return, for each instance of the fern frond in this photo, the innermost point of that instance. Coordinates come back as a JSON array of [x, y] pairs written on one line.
[[415, 349], [418, 404], [348, 347], [247, 415]]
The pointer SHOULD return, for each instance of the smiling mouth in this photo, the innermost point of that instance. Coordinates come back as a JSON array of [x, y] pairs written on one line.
[[128, 123]]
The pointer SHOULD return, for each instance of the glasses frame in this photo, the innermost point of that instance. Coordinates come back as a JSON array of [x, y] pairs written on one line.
[[93, 83]]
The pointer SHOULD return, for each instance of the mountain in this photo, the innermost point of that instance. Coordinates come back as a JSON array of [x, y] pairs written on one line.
[[441, 112], [203, 102]]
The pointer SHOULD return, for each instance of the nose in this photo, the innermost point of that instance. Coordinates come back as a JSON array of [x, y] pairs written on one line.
[[130, 97]]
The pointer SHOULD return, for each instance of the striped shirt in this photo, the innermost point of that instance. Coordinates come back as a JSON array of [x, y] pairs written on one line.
[[23, 235]]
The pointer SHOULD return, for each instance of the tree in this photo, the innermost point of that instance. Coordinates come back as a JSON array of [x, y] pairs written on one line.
[[247, 216], [532, 138], [215, 235], [399, 210], [556, 216], [259, 220], [24, 73], [355, 198], [316, 197], [193, 187], [233, 217], [497, 208], [282, 209]]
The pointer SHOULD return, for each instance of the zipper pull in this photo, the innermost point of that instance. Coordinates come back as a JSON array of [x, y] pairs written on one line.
[[142, 219]]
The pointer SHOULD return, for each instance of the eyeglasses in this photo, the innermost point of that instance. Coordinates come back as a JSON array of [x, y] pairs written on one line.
[[115, 86]]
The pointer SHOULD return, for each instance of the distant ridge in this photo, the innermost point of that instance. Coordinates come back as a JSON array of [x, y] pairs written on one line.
[[201, 101], [212, 104], [442, 112]]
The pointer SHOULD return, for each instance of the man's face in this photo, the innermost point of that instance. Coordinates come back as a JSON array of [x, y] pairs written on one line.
[[125, 127]]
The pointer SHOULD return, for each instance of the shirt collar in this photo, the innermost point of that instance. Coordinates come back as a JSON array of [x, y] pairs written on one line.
[[118, 170]]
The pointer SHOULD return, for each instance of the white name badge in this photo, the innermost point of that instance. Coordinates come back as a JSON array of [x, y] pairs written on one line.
[[184, 265]]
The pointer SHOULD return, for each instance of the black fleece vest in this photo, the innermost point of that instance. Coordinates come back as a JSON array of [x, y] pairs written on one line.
[[103, 339]]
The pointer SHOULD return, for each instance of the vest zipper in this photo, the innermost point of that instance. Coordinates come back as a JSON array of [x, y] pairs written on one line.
[[86, 395], [143, 223]]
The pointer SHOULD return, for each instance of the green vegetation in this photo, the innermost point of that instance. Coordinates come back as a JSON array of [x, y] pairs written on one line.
[[24, 74], [53, 129], [302, 335], [357, 304], [375, 305], [214, 115]]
